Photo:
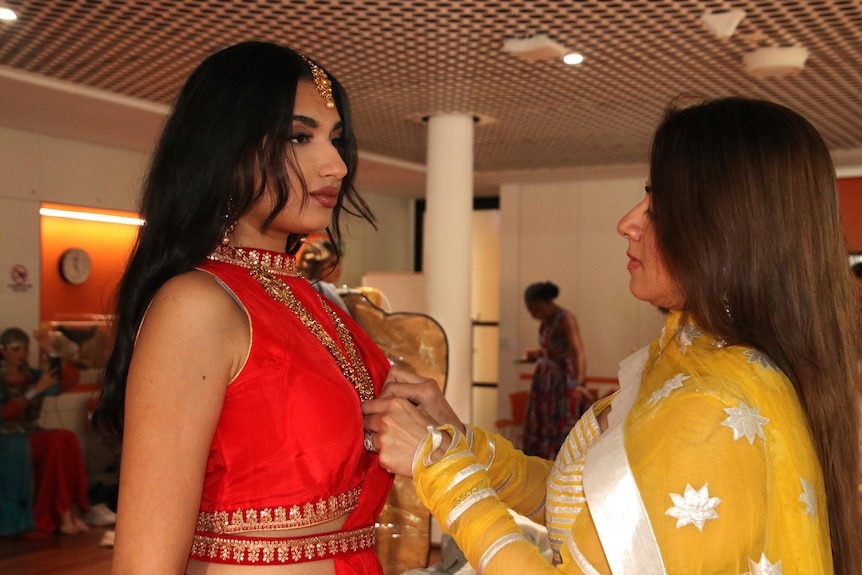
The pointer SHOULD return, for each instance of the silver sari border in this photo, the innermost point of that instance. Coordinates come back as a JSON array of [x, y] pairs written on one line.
[[612, 493]]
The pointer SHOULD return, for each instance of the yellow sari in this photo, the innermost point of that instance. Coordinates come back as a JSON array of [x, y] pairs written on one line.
[[707, 466]]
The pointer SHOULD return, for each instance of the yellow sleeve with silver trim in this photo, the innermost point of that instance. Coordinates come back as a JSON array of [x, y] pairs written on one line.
[[520, 480], [457, 490]]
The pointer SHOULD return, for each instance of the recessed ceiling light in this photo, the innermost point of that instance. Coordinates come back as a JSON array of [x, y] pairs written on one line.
[[573, 58], [7, 14]]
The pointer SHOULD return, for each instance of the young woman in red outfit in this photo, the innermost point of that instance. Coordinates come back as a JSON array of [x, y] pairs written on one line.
[[236, 388]]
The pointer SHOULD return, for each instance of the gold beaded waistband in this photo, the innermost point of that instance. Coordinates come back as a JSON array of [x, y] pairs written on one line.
[[270, 518], [239, 550]]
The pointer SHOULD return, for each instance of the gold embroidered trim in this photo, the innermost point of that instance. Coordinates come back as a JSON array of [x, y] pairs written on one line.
[[470, 493], [353, 369], [276, 550], [281, 264], [221, 522]]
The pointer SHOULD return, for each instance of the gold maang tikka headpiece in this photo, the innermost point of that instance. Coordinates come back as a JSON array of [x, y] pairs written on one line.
[[321, 81]]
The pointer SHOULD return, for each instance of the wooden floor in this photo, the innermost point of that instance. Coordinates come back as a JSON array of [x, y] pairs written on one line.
[[70, 555], [57, 555]]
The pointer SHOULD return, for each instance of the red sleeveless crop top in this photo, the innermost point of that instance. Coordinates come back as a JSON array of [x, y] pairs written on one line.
[[288, 448]]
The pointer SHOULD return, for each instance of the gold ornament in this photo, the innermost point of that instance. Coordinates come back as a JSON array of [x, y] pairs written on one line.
[[321, 81]]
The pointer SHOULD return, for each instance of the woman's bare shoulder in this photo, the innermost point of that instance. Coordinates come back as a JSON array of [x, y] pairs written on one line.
[[195, 309], [195, 291]]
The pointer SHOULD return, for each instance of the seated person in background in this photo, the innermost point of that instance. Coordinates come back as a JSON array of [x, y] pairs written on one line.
[[52, 456], [320, 263]]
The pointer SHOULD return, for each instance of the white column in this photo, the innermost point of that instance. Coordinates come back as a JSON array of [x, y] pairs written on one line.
[[447, 241], [511, 300]]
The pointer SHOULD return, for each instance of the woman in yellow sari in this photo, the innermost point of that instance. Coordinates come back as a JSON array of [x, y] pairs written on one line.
[[732, 444]]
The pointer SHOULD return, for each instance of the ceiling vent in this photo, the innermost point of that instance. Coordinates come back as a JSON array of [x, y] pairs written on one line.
[[536, 47], [775, 62], [723, 23]]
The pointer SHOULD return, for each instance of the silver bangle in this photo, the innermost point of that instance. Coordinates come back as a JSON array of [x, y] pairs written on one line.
[[31, 393], [429, 431], [436, 442]]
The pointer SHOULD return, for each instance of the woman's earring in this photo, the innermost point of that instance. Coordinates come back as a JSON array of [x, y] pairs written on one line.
[[724, 301], [229, 225], [225, 239], [726, 306]]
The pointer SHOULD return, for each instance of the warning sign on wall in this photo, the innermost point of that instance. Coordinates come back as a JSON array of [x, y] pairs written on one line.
[[16, 278]]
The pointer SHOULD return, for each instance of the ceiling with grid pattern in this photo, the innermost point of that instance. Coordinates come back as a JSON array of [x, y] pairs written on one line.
[[402, 60]]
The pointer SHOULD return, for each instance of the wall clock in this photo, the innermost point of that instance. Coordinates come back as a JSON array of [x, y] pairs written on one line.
[[75, 266]]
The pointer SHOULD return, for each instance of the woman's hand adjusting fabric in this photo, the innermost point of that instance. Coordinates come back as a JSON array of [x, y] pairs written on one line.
[[422, 392], [400, 417]]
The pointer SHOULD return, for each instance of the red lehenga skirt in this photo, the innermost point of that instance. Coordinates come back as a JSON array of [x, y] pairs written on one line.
[[59, 477]]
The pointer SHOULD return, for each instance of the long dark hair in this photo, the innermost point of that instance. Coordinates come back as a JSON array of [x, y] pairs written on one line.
[[746, 216], [225, 143]]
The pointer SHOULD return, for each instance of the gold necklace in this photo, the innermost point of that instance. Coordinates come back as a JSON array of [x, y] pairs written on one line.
[[282, 264], [354, 370]]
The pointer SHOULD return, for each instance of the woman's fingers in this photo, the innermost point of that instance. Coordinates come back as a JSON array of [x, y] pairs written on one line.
[[423, 392], [401, 375], [398, 420], [396, 427]]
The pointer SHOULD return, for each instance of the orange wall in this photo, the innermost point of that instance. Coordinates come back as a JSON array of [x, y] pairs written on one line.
[[850, 194], [108, 245]]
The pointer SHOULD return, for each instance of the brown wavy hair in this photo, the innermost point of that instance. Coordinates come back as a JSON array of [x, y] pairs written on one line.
[[746, 214]]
